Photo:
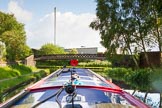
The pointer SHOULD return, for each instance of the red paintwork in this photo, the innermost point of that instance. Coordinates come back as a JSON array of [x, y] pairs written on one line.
[[115, 86], [130, 98], [134, 101], [79, 86]]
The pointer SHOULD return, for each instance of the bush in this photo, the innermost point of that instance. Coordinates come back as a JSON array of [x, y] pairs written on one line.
[[95, 63], [141, 79], [40, 74], [53, 63], [120, 60], [119, 73]]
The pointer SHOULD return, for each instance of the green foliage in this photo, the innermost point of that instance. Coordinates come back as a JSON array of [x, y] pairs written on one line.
[[24, 52], [129, 26], [10, 83], [120, 60], [22, 69], [119, 73], [12, 33], [8, 72], [53, 63], [138, 79], [14, 71], [7, 84], [95, 63], [49, 48], [40, 74], [73, 51], [103, 71]]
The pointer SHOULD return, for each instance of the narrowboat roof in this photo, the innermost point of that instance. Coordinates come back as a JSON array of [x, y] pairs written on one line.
[[63, 76], [58, 91]]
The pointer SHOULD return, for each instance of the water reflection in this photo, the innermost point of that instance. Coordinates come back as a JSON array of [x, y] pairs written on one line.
[[152, 99]]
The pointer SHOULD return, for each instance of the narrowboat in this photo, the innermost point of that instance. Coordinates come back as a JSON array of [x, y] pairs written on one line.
[[73, 88]]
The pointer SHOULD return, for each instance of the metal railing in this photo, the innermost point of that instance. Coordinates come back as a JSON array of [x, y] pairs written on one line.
[[70, 56]]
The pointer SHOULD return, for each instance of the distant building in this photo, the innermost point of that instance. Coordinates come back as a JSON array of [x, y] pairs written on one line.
[[92, 50]]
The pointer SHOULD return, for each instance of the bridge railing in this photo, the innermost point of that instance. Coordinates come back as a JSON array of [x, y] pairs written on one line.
[[70, 56]]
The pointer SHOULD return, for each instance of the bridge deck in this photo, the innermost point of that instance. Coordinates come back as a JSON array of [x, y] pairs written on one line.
[[70, 56]]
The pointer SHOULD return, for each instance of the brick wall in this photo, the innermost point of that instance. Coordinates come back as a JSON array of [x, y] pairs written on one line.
[[29, 61], [154, 58]]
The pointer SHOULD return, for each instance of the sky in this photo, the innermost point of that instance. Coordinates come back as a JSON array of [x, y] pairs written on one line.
[[72, 21]]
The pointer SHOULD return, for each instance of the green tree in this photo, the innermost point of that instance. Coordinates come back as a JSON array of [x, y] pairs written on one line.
[[49, 48], [24, 52], [157, 21], [12, 33], [128, 25], [143, 17], [114, 28], [73, 51]]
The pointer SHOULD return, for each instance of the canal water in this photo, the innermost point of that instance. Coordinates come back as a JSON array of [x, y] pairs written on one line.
[[152, 99]]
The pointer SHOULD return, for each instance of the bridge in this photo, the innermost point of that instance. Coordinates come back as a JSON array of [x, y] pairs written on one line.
[[70, 56]]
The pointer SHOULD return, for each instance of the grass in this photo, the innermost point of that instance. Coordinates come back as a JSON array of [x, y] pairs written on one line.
[[12, 82], [8, 72], [22, 69], [14, 75], [4, 85], [14, 71]]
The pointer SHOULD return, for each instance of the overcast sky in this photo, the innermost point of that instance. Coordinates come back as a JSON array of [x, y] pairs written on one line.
[[72, 21]]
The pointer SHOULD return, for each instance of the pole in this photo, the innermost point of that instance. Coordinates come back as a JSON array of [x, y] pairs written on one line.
[[55, 26]]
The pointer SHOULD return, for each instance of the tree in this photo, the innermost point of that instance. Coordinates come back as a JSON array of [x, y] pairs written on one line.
[[73, 51], [157, 14], [24, 52], [113, 26], [49, 48], [12, 33], [128, 25]]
